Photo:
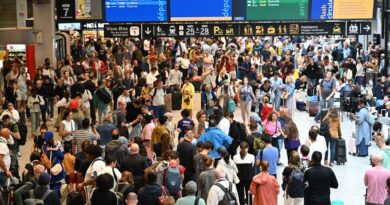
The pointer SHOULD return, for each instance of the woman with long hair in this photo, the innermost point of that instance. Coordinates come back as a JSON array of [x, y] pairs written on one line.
[[245, 92], [264, 187], [333, 120], [245, 164], [272, 127], [206, 178], [126, 184], [291, 135], [67, 128], [230, 166], [102, 194], [188, 92], [293, 187]]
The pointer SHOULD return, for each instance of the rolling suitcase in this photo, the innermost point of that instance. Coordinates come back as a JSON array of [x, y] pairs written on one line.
[[168, 103], [313, 108], [341, 152], [352, 146], [197, 82], [176, 100]]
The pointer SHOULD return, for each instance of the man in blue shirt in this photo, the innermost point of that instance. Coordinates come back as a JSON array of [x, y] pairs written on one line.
[[270, 154], [216, 137]]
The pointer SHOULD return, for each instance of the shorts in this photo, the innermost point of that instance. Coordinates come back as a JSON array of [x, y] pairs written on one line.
[[21, 96]]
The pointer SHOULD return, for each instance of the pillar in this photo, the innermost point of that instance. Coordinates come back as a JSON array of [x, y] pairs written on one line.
[[44, 32]]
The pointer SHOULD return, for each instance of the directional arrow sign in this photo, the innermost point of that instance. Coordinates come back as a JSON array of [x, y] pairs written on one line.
[[367, 28], [359, 28], [148, 31]]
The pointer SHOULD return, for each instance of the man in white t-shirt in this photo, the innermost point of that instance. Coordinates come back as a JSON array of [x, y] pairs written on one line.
[[5, 157], [158, 94], [111, 170], [208, 60], [93, 153]]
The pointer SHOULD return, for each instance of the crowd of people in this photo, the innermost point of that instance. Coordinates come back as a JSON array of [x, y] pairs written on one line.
[[112, 103]]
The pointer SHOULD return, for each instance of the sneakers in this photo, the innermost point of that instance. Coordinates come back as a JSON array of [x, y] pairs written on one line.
[[331, 164], [19, 155], [326, 163]]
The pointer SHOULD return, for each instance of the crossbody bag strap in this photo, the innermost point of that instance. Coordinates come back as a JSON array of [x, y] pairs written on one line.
[[46, 194]]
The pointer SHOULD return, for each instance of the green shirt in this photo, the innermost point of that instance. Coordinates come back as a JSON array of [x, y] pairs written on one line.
[[386, 157]]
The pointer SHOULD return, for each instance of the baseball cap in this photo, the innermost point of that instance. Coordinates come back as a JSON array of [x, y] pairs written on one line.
[[49, 135]]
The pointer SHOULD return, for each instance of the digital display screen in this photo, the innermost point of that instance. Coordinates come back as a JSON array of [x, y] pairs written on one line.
[[68, 26], [190, 10], [136, 10], [259, 10], [342, 9]]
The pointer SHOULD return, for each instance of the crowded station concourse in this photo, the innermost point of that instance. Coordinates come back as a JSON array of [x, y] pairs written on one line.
[[238, 120]]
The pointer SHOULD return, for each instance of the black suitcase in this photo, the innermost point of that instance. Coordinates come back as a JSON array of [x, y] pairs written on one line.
[[341, 152], [176, 100], [197, 85], [74, 198]]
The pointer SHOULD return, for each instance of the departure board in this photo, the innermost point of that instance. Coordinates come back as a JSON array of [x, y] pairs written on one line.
[[259, 10], [136, 10], [189, 10]]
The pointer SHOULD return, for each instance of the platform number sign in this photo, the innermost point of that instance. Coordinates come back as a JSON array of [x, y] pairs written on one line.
[[66, 10]]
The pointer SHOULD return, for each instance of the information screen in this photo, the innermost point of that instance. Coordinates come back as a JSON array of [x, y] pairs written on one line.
[[136, 10], [342, 9], [259, 10], [201, 10]]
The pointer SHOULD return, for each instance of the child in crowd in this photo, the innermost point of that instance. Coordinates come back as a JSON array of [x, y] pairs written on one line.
[[305, 156]]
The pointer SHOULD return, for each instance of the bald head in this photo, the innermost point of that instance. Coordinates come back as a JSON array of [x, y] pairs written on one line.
[[220, 172], [5, 133], [134, 148], [377, 159]]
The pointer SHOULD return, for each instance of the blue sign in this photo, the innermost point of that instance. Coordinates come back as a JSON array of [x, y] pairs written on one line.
[[136, 10], [322, 9], [201, 10]]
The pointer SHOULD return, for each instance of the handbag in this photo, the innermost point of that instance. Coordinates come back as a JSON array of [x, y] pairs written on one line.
[[231, 105], [56, 169]]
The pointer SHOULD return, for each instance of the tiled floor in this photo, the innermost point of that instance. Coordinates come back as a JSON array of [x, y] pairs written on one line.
[[350, 176]]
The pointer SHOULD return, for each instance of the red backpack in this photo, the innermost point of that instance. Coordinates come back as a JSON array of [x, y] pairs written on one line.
[[74, 104]]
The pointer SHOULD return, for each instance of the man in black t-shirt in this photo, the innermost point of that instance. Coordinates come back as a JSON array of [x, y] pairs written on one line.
[[133, 116]]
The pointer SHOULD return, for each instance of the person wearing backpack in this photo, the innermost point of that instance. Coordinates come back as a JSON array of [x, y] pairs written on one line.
[[363, 129], [222, 190], [102, 98], [264, 187], [42, 195], [292, 177], [326, 92], [190, 198], [174, 176]]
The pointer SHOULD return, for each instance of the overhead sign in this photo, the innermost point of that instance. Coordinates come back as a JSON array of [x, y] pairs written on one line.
[[217, 10], [260, 10], [136, 10], [189, 30], [122, 31], [342, 9], [286, 29], [66, 10], [359, 28]]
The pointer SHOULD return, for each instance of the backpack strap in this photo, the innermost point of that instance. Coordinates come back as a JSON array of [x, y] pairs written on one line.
[[125, 188], [196, 201], [46, 194], [32, 194], [224, 189]]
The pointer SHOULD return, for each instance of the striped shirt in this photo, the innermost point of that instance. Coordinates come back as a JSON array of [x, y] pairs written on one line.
[[82, 135]]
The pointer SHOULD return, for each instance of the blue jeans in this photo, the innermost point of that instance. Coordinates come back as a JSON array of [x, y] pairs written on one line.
[[277, 99], [102, 113], [158, 111], [34, 121], [333, 143], [50, 107], [324, 105], [56, 187], [311, 82]]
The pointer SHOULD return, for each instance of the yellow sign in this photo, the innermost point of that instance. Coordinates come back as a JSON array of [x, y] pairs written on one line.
[[271, 30], [248, 30], [218, 31], [294, 29], [259, 30], [353, 9], [229, 31], [282, 29], [336, 29]]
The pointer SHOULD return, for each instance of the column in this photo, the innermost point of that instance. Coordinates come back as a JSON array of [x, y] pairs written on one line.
[[44, 32]]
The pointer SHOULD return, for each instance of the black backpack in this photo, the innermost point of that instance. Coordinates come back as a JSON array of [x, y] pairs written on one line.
[[23, 133], [103, 95], [229, 196]]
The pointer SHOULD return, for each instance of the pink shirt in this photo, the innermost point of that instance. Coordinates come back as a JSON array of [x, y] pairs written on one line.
[[147, 132], [271, 128], [375, 180]]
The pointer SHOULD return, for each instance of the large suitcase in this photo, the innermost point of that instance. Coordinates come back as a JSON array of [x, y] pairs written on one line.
[[341, 152], [197, 85], [313, 108], [176, 100], [75, 198], [168, 102], [352, 146]]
